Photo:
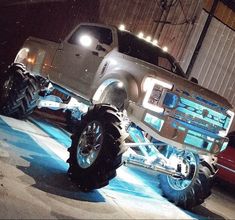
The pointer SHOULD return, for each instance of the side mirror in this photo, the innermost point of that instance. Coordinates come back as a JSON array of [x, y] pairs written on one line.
[[194, 80]]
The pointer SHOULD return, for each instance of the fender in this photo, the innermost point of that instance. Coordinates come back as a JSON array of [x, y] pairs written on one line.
[[22, 56], [128, 83], [33, 59]]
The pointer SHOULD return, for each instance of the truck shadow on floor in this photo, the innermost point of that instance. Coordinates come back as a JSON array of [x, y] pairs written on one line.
[[47, 171], [55, 181], [225, 188], [205, 213]]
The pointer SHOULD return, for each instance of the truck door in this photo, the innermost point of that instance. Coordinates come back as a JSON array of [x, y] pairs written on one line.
[[76, 61]]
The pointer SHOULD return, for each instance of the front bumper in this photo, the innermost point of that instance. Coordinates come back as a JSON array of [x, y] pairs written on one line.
[[174, 132]]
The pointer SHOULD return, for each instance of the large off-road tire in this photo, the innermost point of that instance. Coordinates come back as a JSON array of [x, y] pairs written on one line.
[[96, 150], [19, 92], [193, 190]]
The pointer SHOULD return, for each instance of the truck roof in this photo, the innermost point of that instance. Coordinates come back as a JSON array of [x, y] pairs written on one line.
[[134, 46]]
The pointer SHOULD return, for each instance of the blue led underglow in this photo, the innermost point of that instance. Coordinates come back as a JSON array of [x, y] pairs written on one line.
[[170, 100], [197, 129], [193, 114], [210, 103], [197, 139], [192, 140], [198, 142], [137, 136], [30, 149], [154, 121], [53, 131], [201, 107]]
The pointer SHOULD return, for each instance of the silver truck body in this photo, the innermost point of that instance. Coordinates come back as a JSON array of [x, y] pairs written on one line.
[[166, 105]]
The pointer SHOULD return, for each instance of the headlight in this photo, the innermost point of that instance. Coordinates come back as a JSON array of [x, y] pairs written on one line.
[[154, 90], [149, 82]]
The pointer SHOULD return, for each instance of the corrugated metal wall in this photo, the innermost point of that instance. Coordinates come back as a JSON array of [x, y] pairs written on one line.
[[215, 64], [188, 53], [139, 15]]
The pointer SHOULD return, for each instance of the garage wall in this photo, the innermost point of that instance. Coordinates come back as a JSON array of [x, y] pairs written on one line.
[[189, 51], [215, 65]]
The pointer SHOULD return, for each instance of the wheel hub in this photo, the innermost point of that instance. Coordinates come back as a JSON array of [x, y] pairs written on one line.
[[188, 169], [89, 144]]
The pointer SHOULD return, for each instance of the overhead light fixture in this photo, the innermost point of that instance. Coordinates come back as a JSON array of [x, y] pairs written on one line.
[[155, 42], [165, 49], [148, 38], [122, 27], [141, 35]]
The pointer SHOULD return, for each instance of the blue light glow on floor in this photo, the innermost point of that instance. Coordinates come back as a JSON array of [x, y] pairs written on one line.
[[41, 146], [129, 180]]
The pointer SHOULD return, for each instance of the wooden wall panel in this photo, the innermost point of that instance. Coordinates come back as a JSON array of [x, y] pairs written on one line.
[[222, 12], [226, 15], [139, 15]]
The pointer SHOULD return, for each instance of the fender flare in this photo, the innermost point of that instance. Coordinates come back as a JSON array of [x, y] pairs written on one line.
[[129, 84], [31, 57]]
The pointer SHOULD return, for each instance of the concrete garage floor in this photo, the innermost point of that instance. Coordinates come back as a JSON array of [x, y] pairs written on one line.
[[34, 184]]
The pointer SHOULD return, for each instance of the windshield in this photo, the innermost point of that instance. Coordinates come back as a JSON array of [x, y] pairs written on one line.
[[133, 46]]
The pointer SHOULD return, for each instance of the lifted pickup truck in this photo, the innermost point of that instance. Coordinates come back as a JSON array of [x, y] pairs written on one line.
[[127, 94]]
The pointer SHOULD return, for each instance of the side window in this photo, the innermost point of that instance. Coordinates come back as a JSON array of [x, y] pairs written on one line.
[[135, 47], [103, 35], [164, 63]]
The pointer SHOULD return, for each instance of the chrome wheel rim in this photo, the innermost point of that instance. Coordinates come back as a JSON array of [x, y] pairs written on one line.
[[183, 183], [89, 144]]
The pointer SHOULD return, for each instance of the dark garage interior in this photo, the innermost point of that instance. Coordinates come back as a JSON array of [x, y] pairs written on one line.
[[44, 116]]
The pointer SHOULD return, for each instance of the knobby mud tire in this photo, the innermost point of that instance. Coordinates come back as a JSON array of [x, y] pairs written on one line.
[[19, 92], [109, 158], [198, 190]]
